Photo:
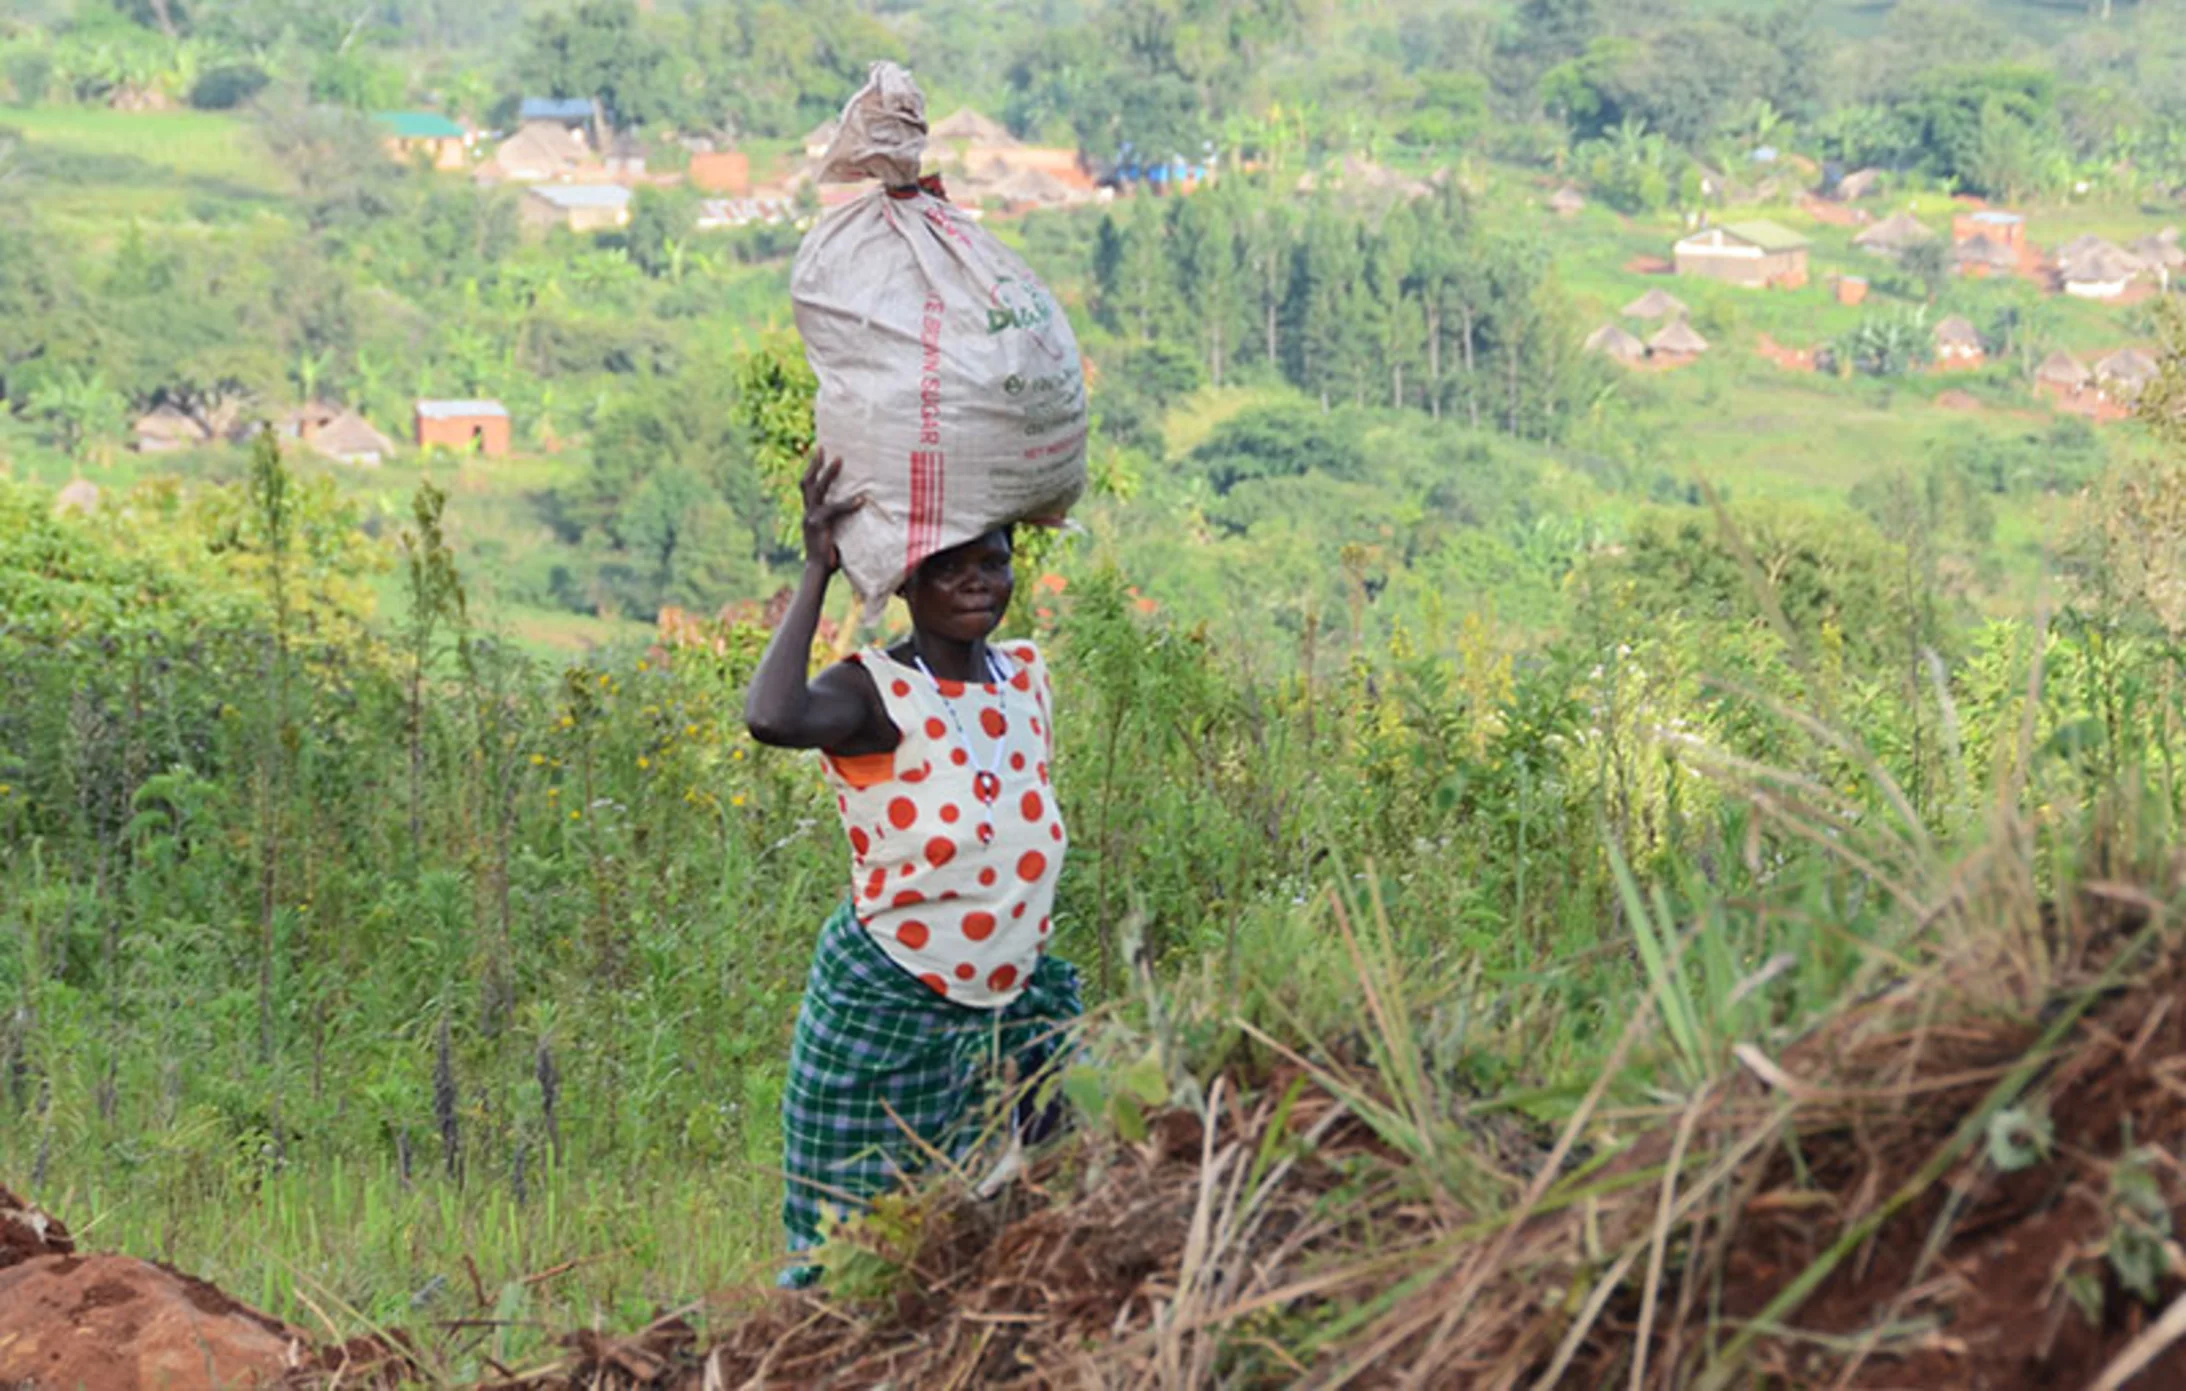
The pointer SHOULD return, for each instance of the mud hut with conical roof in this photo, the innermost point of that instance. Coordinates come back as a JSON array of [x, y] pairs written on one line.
[[1677, 342], [1611, 341], [2063, 371], [1958, 344], [1894, 235], [1657, 303], [2123, 375]]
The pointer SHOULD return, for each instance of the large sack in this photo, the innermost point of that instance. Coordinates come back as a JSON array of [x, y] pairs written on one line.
[[950, 382]]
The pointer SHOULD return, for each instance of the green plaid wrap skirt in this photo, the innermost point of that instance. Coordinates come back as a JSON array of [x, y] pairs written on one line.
[[871, 1039]]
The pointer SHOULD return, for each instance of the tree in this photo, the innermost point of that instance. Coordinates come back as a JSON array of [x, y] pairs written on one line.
[[332, 158], [79, 410], [660, 220], [601, 52]]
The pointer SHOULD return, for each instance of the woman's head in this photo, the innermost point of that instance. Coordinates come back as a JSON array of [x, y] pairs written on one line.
[[961, 593]]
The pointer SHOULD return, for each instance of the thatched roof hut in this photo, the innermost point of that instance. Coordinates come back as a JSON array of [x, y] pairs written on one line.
[[969, 127], [350, 439], [2062, 369], [1958, 331], [2127, 370], [1567, 202], [1982, 252], [1610, 340], [1860, 183], [1657, 303], [1894, 235], [1678, 338], [77, 495]]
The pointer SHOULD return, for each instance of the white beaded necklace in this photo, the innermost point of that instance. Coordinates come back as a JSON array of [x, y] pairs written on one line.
[[987, 781]]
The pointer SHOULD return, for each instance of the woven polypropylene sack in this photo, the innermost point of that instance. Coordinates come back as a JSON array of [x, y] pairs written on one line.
[[950, 384]]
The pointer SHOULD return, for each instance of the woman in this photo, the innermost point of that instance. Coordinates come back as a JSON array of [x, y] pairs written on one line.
[[935, 975]]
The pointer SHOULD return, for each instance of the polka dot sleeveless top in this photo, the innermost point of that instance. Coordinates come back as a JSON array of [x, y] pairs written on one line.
[[955, 837]]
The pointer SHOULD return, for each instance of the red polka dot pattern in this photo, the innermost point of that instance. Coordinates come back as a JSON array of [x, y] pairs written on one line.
[[946, 875]]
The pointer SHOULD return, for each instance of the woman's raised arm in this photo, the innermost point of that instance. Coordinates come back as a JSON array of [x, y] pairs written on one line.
[[839, 709]]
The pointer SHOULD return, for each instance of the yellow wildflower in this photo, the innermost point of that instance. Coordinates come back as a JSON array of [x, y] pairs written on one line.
[[574, 814], [644, 762], [737, 800], [538, 760]]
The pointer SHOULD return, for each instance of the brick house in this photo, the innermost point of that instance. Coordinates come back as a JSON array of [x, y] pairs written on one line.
[[578, 207], [2007, 229], [465, 426], [407, 134], [722, 171], [1758, 255]]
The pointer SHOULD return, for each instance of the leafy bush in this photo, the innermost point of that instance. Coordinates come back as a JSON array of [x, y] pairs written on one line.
[[1281, 441], [228, 86]]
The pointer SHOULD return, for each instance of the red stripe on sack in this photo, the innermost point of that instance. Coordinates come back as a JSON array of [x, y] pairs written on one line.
[[927, 460]]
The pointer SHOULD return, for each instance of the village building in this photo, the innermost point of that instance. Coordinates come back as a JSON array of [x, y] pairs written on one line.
[[572, 114], [971, 129], [1982, 256], [820, 137], [1657, 303], [1860, 183], [410, 135], [1851, 289], [1958, 345], [2006, 229], [78, 495], [1611, 340], [721, 171], [721, 214], [1567, 202], [1676, 343], [301, 423], [2124, 374], [166, 429], [2103, 270], [475, 426], [577, 207], [350, 439], [2062, 371], [541, 152], [1894, 235], [626, 157], [1757, 255], [2163, 256]]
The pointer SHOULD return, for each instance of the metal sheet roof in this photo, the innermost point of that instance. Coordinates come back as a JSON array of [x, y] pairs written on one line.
[[446, 410]]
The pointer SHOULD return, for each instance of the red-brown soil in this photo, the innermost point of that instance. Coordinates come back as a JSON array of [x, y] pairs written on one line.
[[1651, 265], [76, 1322], [1791, 359]]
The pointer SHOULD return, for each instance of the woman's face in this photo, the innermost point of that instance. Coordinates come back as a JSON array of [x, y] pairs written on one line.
[[961, 593]]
